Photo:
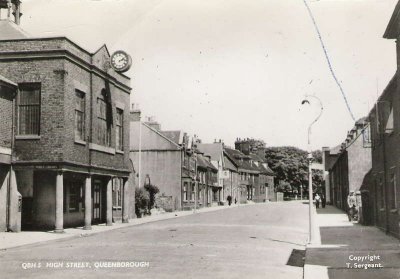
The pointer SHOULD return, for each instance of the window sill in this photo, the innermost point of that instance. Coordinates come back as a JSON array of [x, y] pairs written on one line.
[[78, 141], [109, 150], [119, 152], [394, 210], [27, 137]]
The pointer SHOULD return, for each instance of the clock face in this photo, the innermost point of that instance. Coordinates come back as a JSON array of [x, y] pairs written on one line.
[[120, 61]]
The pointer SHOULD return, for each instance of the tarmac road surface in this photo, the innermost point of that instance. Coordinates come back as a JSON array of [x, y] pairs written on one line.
[[254, 241]]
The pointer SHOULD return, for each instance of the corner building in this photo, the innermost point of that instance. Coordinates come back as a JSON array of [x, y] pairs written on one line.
[[71, 145]]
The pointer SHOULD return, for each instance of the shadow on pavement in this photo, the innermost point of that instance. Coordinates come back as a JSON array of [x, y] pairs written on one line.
[[297, 258], [350, 250]]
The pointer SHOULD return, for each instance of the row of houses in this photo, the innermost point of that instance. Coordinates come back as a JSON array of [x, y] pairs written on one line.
[[72, 151], [368, 161], [189, 172]]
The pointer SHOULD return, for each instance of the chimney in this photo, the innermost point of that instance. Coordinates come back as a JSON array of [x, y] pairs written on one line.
[[135, 113], [151, 121]]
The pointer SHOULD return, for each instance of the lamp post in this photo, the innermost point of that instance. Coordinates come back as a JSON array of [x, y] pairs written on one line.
[[310, 159]]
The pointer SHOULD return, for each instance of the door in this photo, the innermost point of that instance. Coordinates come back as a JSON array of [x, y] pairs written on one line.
[[96, 199]]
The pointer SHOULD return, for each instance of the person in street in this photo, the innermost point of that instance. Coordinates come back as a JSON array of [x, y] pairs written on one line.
[[235, 200], [351, 203], [229, 198], [317, 200], [323, 201]]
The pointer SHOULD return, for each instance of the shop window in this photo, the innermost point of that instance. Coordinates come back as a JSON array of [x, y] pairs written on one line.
[[119, 142], [29, 109], [75, 196], [79, 115]]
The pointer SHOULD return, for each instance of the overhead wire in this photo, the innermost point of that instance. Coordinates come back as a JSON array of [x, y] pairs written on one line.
[[328, 59]]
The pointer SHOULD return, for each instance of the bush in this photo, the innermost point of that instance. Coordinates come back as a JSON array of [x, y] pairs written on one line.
[[142, 200], [152, 190]]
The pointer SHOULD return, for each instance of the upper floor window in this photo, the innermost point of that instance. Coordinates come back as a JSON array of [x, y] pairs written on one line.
[[79, 115], [119, 132], [104, 123], [29, 109]]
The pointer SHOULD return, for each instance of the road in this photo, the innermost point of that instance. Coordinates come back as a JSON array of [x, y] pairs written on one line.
[[253, 241]]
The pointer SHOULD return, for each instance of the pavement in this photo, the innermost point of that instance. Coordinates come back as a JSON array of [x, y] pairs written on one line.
[[11, 240], [344, 249]]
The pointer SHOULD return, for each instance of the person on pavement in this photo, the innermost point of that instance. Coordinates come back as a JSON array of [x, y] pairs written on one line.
[[317, 200], [351, 203]]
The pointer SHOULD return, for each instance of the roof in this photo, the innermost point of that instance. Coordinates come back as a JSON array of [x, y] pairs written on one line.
[[215, 150], [201, 161], [392, 30], [5, 81], [175, 136], [9, 30], [229, 164], [152, 139]]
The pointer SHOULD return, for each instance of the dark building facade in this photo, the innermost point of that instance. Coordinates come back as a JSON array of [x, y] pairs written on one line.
[[71, 143]]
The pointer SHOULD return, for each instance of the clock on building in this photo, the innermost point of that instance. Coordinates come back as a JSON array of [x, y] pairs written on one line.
[[121, 61]]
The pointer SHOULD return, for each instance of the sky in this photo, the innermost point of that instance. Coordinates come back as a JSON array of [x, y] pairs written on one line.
[[227, 69]]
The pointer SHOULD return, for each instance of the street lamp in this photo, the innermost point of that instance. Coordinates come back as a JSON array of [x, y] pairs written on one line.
[[310, 158]]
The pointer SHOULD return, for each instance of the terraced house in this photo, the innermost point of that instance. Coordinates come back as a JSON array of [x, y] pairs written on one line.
[[70, 143]]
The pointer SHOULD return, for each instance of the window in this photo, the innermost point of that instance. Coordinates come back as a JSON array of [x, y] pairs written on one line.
[[117, 192], [393, 191], [75, 196], [185, 191], [104, 127], [119, 130], [29, 109], [382, 192], [193, 192], [79, 115]]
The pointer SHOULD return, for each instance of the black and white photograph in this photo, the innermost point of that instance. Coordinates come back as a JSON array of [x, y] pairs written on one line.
[[200, 139]]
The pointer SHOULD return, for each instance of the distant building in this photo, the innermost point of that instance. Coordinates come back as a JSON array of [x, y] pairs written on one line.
[[70, 151], [215, 151], [348, 167], [167, 157]]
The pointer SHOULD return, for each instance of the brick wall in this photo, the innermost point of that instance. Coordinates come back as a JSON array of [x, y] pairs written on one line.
[[59, 78], [6, 103]]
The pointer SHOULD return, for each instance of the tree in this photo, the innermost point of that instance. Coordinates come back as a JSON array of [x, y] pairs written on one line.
[[290, 165]]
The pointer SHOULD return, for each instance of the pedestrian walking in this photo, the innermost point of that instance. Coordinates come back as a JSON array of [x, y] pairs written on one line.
[[317, 200], [229, 198], [323, 200]]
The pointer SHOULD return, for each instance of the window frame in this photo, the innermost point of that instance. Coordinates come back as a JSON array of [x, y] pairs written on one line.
[[185, 191], [119, 130], [82, 111], [31, 87], [117, 189], [102, 120], [393, 186]]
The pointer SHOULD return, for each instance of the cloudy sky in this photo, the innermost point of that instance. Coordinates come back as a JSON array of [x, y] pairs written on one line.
[[223, 69]]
